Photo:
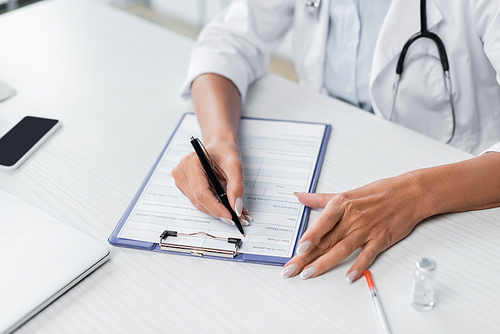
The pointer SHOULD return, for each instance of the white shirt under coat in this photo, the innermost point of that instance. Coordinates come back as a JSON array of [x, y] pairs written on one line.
[[353, 30]]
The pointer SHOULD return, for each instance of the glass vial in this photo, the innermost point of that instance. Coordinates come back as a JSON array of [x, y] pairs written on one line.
[[424, 279]]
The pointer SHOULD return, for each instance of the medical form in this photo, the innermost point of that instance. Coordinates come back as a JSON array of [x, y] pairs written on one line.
[[279, 158]]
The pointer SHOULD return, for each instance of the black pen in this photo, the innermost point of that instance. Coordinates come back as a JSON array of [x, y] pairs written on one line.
[[207, 166]]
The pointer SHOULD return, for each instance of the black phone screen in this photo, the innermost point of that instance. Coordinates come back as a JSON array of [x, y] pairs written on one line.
[[22, 137]]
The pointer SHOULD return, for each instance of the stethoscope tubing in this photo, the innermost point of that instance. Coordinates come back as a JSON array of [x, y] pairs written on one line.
[[424, 33]]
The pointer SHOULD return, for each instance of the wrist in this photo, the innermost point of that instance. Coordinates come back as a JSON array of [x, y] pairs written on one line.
[[425, 194], [223, 135]]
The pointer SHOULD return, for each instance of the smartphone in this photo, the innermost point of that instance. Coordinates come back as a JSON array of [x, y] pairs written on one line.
[[23, 139]]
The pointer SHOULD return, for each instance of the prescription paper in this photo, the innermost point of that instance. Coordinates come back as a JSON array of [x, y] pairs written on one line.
[[279, 158]]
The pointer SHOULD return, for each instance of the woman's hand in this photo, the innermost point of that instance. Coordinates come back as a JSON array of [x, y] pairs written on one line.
[[192, 181], [217, 103], [373, 217], [381, 213]]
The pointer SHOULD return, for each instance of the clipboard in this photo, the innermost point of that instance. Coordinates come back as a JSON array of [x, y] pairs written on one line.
[[224, 248]]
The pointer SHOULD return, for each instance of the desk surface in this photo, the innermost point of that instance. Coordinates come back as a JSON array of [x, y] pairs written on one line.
[[113, 80]]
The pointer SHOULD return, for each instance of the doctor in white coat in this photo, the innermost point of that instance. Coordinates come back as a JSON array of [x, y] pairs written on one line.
[[234, 50]]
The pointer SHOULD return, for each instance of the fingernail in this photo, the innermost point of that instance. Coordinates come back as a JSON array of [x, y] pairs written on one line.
[[352, 276], [244, 222], [227, 221], [305, 274], [249, 218], [303, 247], [238, 206], [289, 270], [296, 193]]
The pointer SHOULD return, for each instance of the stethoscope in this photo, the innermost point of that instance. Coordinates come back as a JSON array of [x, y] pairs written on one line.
[[313, 7], [442, 57]]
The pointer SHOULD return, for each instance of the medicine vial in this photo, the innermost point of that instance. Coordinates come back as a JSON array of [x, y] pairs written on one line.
[[424, 279]]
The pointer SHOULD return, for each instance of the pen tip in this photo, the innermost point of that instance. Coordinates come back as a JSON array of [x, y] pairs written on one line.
[[243, 234]]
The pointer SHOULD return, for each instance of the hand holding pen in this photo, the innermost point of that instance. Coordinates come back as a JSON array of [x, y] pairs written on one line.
[[208, 167], [192, 180]]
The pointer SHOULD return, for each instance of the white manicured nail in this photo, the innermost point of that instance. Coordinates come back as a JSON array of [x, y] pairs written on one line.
[[244, 222], [238, 206], [352, 276], [305, 274], [227, 221], [303, 247], [289, 270], [248, 217]]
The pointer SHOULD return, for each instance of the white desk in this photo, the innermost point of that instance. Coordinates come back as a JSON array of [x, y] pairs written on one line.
[[113, 81]]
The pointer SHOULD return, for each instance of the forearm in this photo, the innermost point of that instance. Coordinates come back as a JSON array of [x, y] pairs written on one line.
[[468, 185], [218, 107]]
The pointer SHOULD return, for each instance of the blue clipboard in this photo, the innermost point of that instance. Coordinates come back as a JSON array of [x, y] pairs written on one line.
[[242, 257]]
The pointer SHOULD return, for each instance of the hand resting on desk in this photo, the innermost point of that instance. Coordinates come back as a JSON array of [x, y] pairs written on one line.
[[374, 217], [380, 214]]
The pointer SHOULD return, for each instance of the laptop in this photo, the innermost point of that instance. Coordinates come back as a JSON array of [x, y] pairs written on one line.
[[40, 259]]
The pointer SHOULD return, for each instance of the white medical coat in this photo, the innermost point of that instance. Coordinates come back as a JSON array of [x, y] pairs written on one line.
[[238, 43]]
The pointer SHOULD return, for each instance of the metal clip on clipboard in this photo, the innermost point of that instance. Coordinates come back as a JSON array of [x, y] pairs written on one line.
[[199, 251]]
